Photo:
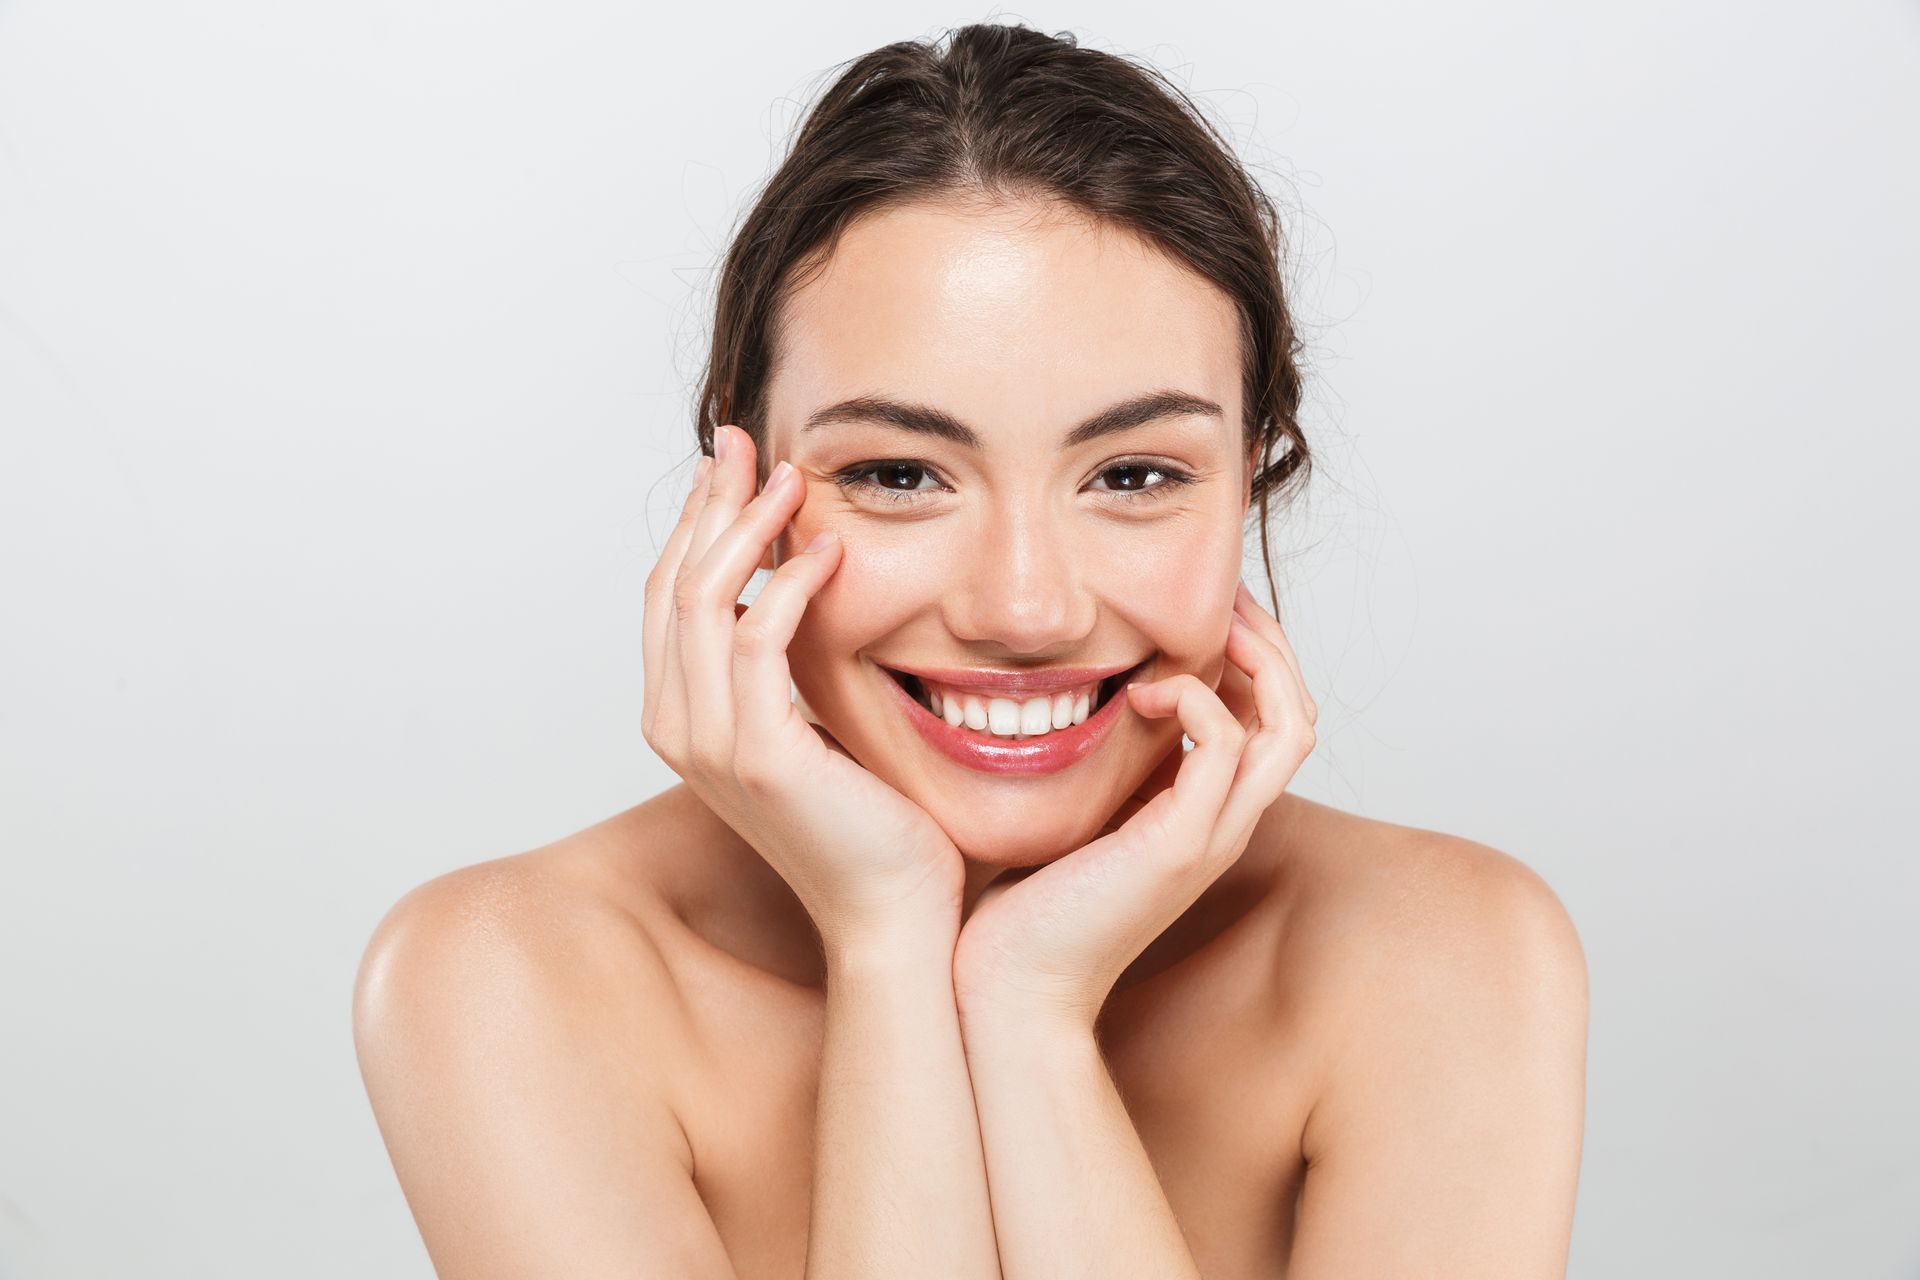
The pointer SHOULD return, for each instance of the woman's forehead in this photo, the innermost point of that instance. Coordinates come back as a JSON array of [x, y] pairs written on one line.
[[993, 313]]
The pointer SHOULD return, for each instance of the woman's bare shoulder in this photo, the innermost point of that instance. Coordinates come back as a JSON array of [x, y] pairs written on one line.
[[559, 934], [580, 903], [1350, 861], [1445, 991], [1377, 906], [1409, 945], [519, 1040]]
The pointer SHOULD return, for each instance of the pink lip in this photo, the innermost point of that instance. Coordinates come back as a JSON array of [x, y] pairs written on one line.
[[1048, 753]]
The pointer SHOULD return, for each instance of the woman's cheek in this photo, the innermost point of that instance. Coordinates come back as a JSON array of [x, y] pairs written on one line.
[[859, 605], [1177, 590]]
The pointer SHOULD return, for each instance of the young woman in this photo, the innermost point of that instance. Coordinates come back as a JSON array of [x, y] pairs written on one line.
[[965, 964]]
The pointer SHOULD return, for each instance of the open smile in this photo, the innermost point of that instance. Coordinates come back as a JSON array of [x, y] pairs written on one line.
[[1034, 733]]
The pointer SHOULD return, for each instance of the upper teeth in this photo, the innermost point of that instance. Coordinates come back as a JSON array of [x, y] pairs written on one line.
[[1011, 717]]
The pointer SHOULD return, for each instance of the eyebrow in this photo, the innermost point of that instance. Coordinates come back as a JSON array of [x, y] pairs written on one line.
[[1137, 411]]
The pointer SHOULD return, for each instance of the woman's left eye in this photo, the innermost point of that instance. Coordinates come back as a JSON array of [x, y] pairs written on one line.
[[1172, 478], [868, 477]]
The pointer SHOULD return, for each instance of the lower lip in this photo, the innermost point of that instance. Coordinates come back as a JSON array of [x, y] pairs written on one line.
[[1048, 753]]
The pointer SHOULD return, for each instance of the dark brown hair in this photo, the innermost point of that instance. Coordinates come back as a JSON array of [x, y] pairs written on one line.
[[1007, 112]]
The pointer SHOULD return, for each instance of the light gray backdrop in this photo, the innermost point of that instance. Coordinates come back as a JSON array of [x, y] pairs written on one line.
[[345, 356]]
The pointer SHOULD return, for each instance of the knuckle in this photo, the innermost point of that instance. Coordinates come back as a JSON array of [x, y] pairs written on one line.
[[1192, 855], [1187, 682], [751, 635], [655, 723], [1154, 829], [755, 778], [688, 600], [659, 582], [1261, 751], [664, 742], [710, 758]]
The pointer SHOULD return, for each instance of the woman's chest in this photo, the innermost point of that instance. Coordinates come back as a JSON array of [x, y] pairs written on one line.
[[1213, 1089]]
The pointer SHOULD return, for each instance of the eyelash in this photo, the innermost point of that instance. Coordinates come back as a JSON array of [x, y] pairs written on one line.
[[860, 477]]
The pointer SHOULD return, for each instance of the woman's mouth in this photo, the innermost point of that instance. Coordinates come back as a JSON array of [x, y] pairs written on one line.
[[1017, 733]]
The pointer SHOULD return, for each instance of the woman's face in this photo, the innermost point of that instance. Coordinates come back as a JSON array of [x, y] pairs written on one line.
[[1016, 548]]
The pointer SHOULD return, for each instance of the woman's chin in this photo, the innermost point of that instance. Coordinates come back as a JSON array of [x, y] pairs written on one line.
[[1016, 844], [1012, 831]]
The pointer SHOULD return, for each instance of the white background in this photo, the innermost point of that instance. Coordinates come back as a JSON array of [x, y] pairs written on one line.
[[346, 356]]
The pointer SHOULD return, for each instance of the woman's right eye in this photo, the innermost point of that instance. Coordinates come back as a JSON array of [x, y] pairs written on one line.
[[894, 482]]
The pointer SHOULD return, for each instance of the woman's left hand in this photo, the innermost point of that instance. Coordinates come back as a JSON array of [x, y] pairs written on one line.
[[1054, 940]]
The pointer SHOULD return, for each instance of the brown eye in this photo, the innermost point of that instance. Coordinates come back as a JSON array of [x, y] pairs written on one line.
[[1134, 482], [894, 481], [889, 472]]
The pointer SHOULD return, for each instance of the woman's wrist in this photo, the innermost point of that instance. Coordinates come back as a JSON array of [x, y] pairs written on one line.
[[990, 1017], [920, 943], [993, 994]]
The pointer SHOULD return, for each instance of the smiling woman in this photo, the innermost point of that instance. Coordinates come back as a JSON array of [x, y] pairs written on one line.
[[966, 963]]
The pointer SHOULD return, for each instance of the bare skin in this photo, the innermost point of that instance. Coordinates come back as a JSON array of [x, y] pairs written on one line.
[[892, 1015], [1336, 940]]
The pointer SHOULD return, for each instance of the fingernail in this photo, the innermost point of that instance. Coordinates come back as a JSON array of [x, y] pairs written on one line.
[[781, 470], [720, 445], [820, 540]]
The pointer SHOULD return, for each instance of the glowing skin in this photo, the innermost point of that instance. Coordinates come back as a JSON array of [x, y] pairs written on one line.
[[1020, 322], [1341, 999]]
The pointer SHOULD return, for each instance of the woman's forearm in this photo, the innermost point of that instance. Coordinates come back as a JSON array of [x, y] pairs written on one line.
[[1074, 1194], [900, 1181]]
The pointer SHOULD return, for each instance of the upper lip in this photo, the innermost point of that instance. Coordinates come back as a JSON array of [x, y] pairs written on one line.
[[1033, 680]]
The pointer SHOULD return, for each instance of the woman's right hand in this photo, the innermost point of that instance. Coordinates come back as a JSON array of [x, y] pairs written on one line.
[[863, 859]]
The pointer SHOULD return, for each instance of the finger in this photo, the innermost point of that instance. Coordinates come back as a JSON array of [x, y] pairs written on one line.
[[1235, 688], [1262, 620], [1274, 754], [1207, 772], [710, 592], [1268, 626], [1158, 779], [736, 479], [657, 636], [730, 485], [733, 557], [762, 675], [1278, 697]]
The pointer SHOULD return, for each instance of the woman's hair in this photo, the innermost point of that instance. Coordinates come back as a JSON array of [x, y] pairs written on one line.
[[1007, 112]]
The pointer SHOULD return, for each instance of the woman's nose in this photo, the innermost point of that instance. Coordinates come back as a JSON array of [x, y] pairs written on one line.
[[1018, 588]]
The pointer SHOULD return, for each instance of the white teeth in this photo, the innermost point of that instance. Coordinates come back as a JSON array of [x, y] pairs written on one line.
[[1003, 717], [1011, 717]]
